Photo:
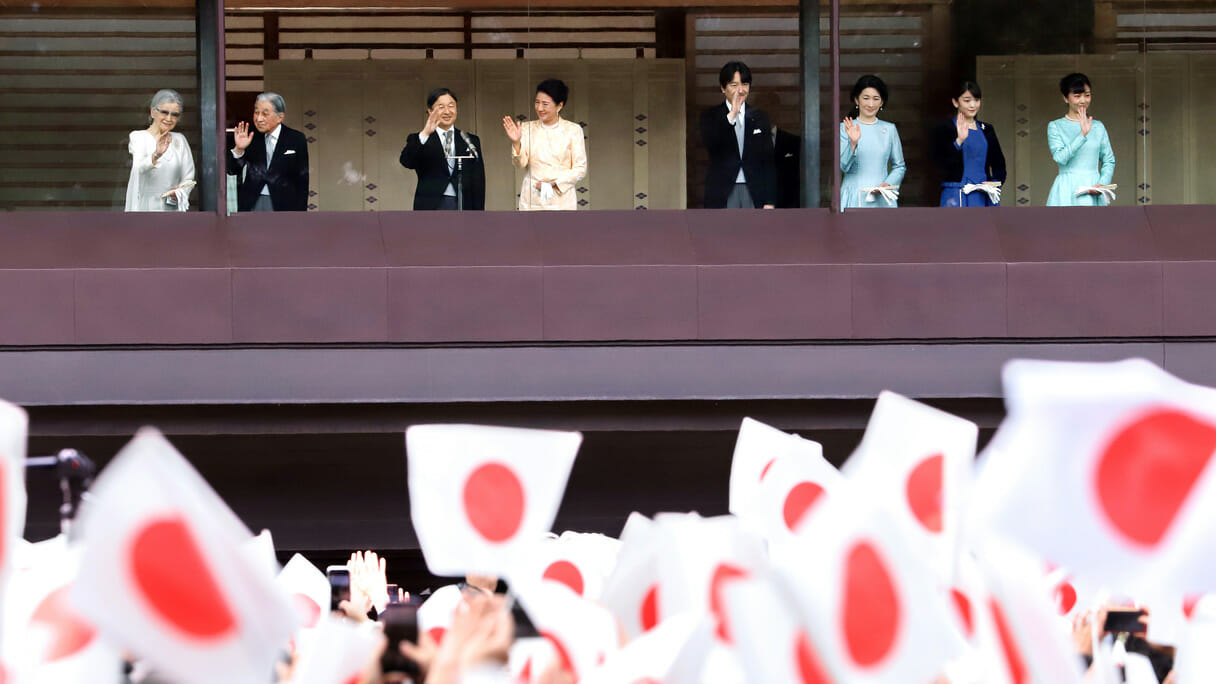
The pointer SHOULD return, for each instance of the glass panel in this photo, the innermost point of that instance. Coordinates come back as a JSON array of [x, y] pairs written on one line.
[[355, 84], [78, 84]]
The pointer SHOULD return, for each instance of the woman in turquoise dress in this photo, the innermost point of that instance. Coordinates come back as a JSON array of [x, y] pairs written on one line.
[[870, 152], [1081, 147]]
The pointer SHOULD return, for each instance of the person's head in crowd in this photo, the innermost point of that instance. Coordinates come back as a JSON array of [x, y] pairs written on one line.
[[1077, 92], [966, 99], [486, 583], [165, 110], [869, 96], [442, 100], [551, 95], [268, 112], [735, 79]]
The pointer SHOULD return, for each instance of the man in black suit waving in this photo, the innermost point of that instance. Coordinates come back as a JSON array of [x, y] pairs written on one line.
[[430, 152], [281, 184], [738, 138]]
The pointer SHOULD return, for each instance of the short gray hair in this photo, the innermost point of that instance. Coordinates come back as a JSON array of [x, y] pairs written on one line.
[[275, 100], [166, 95]]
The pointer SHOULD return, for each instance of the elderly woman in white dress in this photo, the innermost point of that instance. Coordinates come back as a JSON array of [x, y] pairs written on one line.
[[551, 150], [162, 167]]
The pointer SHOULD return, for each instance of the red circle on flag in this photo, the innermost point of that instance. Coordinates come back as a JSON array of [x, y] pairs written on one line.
[[647, 680], [566, 573], [1146, 472], [1188, 604], [436, 634], [924, 491], [494, 501], [354, 679], [1013, 655], [563, 655], [871, 606], [307, 608], [810, 667], [724, 573], [172, 575], [798, 502], [650, 608], [963, 606], [72, 633], [1066, 597]]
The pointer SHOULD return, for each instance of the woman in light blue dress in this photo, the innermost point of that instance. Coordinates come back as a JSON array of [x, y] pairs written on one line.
[[870, 152], [1081, 147]]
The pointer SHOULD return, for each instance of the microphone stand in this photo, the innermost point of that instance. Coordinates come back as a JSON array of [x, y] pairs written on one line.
[[459, 178]]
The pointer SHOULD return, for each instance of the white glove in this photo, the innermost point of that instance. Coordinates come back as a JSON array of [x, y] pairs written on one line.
[[1107, 191], [546, 193], [182, 196], [993, 190], [889, 192]]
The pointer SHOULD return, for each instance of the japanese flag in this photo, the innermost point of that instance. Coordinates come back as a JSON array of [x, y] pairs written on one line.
[[1196, 659], [1172, 615], [309, 591], [631, 592], [917, 460], [343, 654], [163, 573], [49, 642], [579, 561], [435, 614], [672, 653], [870, 599], [260, 550], [14, 426], [582, 633], [699, 557], [1033, 641], [480, 495], [1106, 469], [757, 448], [775, 643], [792, 489]]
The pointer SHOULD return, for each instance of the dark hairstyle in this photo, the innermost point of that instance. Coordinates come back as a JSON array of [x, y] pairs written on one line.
[[555, 89], [968, 87], [727, 74], [1074, 83], [870, 81], [438, 93]]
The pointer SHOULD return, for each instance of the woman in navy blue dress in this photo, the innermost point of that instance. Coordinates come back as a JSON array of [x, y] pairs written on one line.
[[967, 152]]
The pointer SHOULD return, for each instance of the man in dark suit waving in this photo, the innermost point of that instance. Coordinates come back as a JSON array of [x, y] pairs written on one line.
[[738, 138], [430, 152], [281, 184]]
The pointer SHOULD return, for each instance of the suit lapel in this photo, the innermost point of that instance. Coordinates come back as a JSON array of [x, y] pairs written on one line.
[[280, 146]]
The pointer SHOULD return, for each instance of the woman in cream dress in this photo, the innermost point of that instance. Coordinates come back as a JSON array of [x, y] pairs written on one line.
[[160, 160], [551, 150]]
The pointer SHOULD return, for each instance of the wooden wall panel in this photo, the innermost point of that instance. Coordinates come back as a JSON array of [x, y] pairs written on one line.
[[361, 112]]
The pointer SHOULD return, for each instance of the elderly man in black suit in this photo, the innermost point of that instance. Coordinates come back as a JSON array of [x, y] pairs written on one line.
[[738, 138], [431, 153], [281, 184]]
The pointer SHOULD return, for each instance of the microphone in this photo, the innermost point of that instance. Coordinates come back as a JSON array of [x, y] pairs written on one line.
[[469, 143]]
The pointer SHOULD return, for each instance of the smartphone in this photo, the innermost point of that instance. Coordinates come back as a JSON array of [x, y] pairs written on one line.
[[400, 622], [393, 594], [1125, 621], [339, 585]]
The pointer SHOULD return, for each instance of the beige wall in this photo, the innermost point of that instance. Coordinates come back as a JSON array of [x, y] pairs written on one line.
[[1153, 107], [360, 112]]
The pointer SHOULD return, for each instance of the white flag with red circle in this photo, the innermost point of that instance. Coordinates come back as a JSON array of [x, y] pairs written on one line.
[[869, 596], [792, 489], [672, 653], [49, 642], [480, 495], [343, 653], [580, 561], [918, 461], [1033, 642], [1106, 468], [631, 592], [14, 428], [308, 589], [775, 642], [582, 633], [757, 448], [163, 574], [436, 612]]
